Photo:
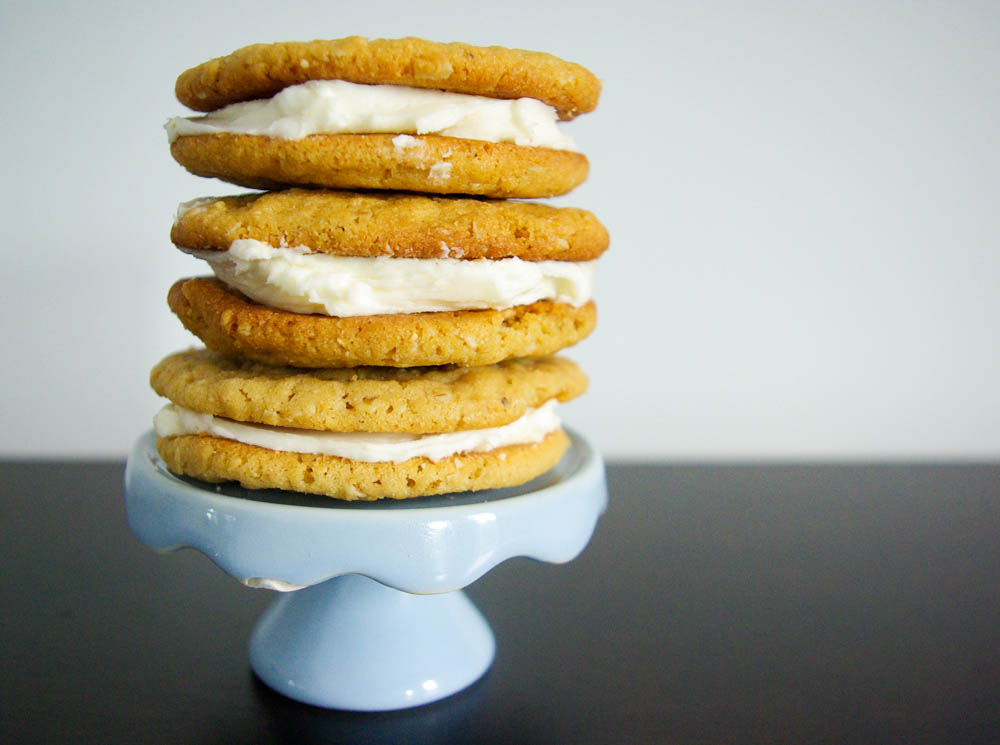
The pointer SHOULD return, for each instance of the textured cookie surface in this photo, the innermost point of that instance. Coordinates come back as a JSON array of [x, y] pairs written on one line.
[[403, 225], [236, 327], [365, 399], [261, 70], [435, 164], [215, 459]]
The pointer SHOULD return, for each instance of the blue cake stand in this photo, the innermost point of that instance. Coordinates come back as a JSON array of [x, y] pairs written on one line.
[[371, 615]]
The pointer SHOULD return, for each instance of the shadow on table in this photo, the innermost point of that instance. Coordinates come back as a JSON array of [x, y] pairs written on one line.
[[472, 714]]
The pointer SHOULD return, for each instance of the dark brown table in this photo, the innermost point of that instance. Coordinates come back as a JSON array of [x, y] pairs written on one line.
[[715, 604]]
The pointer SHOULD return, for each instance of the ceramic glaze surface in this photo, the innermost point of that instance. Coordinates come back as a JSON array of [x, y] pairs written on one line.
[[351, 643], [371, 618]]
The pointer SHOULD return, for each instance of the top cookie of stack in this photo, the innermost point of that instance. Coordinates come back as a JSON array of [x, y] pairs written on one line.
[[399, 114]]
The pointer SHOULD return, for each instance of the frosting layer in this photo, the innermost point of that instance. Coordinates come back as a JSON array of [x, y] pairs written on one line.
[[339, 107], [299, 281], [532, 427]]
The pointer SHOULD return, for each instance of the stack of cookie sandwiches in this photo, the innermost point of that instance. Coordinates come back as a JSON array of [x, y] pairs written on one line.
[[381, 319]]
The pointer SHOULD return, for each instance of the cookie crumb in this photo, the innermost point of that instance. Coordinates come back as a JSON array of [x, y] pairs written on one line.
[[193, 205], [440, 172], [401, 142]]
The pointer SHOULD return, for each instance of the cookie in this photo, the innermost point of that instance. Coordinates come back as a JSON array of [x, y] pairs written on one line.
[[363, 433], [346, 223], [215, 460], [437, 165], [261, 70], [365, 399], [236, 327], [402, 114]]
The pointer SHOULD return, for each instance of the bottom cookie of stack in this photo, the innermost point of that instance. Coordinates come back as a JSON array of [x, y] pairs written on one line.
[[362, 433]]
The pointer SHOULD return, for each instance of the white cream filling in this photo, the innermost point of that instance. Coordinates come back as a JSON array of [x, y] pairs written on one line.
[[532, 427], [297, 280], [336, 106]]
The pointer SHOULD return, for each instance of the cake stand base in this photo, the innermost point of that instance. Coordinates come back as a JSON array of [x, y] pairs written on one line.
[[352, 643], [371, 615]]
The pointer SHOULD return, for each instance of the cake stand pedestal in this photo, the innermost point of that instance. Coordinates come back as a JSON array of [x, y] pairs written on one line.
[[371, 617]]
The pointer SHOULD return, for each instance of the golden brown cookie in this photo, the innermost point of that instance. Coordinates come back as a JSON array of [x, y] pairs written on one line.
[[261, 70], [236, 327], [216, 459], [347, 223], [436, 164], [365, 399]]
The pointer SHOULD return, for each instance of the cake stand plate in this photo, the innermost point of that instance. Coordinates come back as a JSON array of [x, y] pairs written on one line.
[[371, 615]]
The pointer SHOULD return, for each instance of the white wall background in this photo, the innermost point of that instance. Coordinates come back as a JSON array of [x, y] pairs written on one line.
[[803, 201]]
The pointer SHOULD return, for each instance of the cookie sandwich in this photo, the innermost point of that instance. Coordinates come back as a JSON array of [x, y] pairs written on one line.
[[340, 279], [362, 433], [397, 114]]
